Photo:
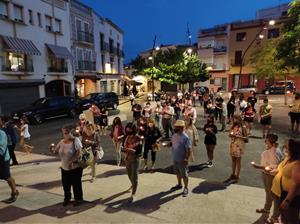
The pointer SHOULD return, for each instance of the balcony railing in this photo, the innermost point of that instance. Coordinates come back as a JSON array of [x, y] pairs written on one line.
[[17, 68], [87, 65], [220, 49], [85, 37], [58, 69]]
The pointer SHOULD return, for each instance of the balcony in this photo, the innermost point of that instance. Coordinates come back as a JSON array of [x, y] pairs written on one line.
[[87, 65], [220, 67], [58, 69], [85, 37], [13, 69], [220, 49]]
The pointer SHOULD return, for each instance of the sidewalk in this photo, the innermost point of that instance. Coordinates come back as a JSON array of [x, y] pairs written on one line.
[[41, 196]]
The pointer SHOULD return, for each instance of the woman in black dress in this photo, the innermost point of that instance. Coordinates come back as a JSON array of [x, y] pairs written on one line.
[[230, 108], [210, 139], [103, 120]]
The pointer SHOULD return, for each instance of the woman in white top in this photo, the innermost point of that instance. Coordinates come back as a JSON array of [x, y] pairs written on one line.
[[192, 132], [270, 159], [68, 150], [158, 115], [24, 135]]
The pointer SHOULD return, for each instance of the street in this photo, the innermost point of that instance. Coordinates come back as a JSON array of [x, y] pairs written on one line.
[[50, 131]]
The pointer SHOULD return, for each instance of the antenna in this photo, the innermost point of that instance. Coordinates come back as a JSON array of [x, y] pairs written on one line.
[[189, 34]]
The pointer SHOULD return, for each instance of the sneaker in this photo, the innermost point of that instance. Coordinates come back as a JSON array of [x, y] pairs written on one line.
[[66, 203], [13, 197], [210, 164], [132, 198], [176, 187], [185, 192]]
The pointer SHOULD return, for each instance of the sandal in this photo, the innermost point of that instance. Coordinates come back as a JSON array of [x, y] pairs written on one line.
[[272, 220], [262, 210]]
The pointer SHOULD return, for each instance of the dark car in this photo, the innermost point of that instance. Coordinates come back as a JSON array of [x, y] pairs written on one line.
[[49, 107], [279, 88], [108, 100]]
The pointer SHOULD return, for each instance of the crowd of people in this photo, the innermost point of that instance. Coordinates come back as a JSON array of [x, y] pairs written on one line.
[[172, 122]]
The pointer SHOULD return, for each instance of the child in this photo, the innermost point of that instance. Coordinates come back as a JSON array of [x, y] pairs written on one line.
[[270, 159], [210, 140], [24, 135]]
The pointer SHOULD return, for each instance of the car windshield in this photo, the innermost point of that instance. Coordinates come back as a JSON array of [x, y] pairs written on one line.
[[282, 83], [39, 102]]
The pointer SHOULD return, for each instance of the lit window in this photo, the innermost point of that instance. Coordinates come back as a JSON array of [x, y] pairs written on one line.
[[18, 13]]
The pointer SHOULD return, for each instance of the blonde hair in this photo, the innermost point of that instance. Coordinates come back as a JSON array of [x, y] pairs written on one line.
[[90, 127], [82, 116]]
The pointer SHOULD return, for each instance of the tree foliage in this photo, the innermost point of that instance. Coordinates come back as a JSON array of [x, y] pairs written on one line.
[[288, 49], [265, 62], [175, 66]]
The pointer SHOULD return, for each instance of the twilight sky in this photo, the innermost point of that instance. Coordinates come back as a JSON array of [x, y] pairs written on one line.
[[142, 19]]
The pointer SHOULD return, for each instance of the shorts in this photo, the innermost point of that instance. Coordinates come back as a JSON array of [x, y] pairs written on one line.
[[181, 169], [266, 121], [295, 117], [249, 119], [4, 170]]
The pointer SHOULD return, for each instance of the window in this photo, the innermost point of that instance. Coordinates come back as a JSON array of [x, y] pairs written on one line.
[[30, 17], [111, 46], [88, 55], [238, 58], [3, 9], [112, 64], [78, 29], [241, 36], [39, 19], [18, 13], [119, 65], [48, 21], [86, 27], [218, 81], [102, 41], [79, 55], [284, 13], [103, 62], [57, 26], [273, 33], [17, 62]]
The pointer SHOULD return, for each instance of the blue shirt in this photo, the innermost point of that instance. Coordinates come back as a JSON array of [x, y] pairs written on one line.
[[3, 146], [181, 143]]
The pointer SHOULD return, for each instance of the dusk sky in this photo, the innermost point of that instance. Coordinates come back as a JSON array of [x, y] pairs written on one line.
[[142, 19]]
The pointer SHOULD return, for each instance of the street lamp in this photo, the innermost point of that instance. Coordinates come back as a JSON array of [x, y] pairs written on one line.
[[190, 51], [258, 35], [157, 48]]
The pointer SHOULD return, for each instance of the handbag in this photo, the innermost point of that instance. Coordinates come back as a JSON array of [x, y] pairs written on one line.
[[86, 157], [155, 147], [295, 202]]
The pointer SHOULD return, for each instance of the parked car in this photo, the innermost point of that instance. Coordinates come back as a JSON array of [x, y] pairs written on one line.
[[49, 107], [109, 100], [202, 90], [245, 89], [279, 87]]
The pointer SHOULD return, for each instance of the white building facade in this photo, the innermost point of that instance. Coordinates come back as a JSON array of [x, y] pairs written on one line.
[[35, 58]]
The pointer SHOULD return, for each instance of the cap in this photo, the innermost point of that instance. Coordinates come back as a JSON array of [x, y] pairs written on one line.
[[179, 123]]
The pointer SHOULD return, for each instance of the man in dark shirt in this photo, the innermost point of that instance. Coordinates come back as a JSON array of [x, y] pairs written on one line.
[[136, 110], [252, 99], [11, 138]]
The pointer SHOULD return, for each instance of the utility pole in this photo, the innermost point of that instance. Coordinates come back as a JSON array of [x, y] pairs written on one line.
[[152, 54]]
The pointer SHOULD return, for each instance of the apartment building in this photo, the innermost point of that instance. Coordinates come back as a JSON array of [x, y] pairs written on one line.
[[213, 51], [97, 47], [35, 58]]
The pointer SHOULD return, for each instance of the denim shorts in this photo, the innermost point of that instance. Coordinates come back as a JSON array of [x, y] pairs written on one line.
[[181, 169]]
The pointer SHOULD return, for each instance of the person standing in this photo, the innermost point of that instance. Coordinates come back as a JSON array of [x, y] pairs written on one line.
[[68, 150], [167, 114], [11, 138], [181, 150], [96, 114], [132, 147], [218, 108], [91, 138], [295, 114], [270, 159], [103, 120], [24, 135], [131, 97], [158, 115], [5, 167], [189, 113], [136, 111], [151, 143], [252, 99], [224, 115], [117, 136], [265, 113], [177, 110], [242, 102], [238, 135], [210, 140], [248, 114], [193, 135], [147, 111], [230, 109]]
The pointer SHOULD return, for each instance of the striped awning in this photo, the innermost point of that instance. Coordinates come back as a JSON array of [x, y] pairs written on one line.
[[22, 46], [59, 51]]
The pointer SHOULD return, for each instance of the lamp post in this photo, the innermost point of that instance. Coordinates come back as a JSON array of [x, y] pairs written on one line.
[[154, 48], [258, 35]]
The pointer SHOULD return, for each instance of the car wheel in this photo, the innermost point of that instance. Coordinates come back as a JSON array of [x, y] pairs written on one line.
[[73, 113], [115, 106], [267, 92], [38, 119]]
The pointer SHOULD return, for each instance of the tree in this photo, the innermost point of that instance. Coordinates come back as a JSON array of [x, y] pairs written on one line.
[[288, 49], [265, 62], [139, 64]]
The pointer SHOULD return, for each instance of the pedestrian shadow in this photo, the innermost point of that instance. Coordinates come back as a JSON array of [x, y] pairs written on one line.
[[12, 213], [144, 206], [46, 185], [35, 162], [255, 137], [206, 187], [262, 219], [168, 169], [111, 173]]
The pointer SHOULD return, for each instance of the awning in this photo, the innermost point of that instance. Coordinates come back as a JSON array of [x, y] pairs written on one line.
[[22, 46], [59, 52]]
